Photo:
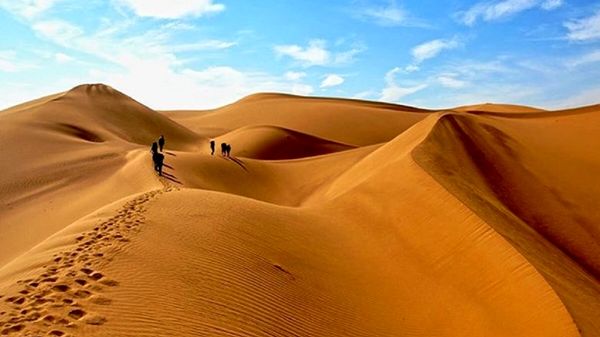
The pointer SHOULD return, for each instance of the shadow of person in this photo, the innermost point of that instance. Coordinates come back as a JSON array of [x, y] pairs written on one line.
[[238, 161], [171, 178]]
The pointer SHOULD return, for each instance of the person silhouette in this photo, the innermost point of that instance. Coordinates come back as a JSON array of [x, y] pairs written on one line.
[[161, 142], [154, 148], [212, 147], [158, 159], [223, 149], [228, 150]]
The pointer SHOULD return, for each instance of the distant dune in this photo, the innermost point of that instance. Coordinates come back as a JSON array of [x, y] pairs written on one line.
[[333, 217]]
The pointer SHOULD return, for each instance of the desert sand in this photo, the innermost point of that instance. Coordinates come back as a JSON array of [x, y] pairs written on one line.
[[333, 217]]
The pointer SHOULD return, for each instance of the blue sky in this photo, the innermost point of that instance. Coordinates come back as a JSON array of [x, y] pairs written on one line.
[[173, 54]]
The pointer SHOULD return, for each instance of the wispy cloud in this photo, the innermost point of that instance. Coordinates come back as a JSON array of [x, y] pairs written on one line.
[[294, 75], [63, 58], [588, 58], [585, 29], [495, 10], [332, 80], [389, 14], [202, 45], [431, 49], [28, 8], [316, 53], [58, 31], [172, 9], [393, 92], [449, 81], [10, 63]]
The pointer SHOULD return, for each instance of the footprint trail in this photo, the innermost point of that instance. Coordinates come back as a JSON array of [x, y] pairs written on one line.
[[55, 302]]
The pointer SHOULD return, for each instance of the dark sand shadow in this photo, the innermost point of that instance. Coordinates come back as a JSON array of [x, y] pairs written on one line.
[[171, 178], [171, 153], [237, 161]]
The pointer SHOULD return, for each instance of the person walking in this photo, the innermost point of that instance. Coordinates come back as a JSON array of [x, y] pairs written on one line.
[[228, 150], [161, 142], [154, 148], [212, 147], [158, 159]]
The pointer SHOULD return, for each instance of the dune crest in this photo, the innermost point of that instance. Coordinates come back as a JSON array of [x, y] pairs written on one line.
[[331, 217]]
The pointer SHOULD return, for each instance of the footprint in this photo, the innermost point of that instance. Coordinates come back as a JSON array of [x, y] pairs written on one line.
[[96, 276], [82, 294], [76, 313], [101, 300], [56, 333], [61, 288], [95, 320], [110, 283], [14, 328]]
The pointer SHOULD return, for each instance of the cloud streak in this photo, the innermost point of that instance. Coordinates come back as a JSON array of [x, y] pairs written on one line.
[[585, 29], [332, 80], [393, 92], [496, 10], [172, 9], [388, 15], [316, 53]]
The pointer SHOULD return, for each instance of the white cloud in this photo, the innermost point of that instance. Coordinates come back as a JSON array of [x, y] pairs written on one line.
[[317, 54], [332, 80], [172, 9], [495, 10], [583, 98], [393, 92], [301, 89], [591, 57], [451, 82], [147, 65], [364, 94], [551, 4], [411, 68], [586, 29], [387, 15], [294, 75], [202, 45], [431, 49], [158, 84], [27, 8], [10, 63], [58, 31], [314, 54], [62, 58]]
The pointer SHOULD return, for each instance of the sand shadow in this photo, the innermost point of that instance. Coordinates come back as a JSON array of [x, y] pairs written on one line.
[[169, 166], [171, 153], [237, 161], [171, 178]]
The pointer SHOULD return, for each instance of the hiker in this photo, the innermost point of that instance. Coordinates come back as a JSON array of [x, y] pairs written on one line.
[[212, 147], [223, 149], [227, 150], [154, 148], [158, 159], [161, 142]]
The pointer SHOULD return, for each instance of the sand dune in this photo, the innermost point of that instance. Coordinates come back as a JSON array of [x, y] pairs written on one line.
[[332, 218], [273, 143]]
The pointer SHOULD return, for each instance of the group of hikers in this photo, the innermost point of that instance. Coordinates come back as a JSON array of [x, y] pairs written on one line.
[[158, 157], [225, 149]]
